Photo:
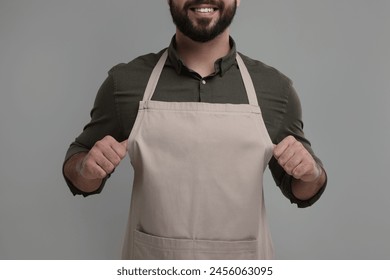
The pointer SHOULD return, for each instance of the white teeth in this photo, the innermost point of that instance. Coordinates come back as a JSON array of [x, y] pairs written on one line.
[[204, 10]]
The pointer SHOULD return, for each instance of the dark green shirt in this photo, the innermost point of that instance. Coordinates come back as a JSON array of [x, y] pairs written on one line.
[[116, 105]]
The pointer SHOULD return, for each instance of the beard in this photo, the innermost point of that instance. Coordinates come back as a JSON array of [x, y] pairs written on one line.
[[203, 30]]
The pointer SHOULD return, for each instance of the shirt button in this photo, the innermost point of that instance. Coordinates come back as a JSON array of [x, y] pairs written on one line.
[[203, 82]]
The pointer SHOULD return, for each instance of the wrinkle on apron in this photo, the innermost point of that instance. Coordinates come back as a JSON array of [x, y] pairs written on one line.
[[198, 175]]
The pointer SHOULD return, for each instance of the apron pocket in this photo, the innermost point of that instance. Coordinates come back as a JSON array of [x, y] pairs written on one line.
[[149, 247]]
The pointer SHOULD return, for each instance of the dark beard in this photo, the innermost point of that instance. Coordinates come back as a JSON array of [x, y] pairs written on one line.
[[202, 33]]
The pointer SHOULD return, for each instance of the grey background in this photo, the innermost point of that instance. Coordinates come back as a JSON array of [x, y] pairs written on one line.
[[55, 54]]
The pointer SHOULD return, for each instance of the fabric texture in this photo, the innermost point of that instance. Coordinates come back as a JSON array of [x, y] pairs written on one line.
[[198, 179]]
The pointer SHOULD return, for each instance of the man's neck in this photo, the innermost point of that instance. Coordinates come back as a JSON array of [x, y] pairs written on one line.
[[200, 57]]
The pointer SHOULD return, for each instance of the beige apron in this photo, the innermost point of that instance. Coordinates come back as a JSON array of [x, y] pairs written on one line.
[[198, 174]]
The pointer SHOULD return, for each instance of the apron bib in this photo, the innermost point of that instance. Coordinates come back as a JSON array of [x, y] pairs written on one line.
[[198, 175]]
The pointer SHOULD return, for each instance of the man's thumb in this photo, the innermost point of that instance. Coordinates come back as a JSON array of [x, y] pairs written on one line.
[[125, 144]]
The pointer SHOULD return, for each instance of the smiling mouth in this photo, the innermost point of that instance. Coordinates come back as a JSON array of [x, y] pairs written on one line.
[[204, 10]]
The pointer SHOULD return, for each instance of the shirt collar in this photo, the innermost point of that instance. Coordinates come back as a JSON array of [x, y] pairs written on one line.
[[221, 65]]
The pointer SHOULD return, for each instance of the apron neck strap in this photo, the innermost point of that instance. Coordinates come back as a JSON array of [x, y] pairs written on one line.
[[246, 78], [155, 76]]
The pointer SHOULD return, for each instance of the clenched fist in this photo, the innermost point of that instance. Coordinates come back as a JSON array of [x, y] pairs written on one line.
[[293, 157], [87, 170], [102, 159]]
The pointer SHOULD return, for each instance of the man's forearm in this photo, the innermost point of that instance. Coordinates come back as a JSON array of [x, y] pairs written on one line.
[[71, 172]]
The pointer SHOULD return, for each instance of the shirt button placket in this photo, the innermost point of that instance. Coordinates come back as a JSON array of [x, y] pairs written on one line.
[[202, 90]]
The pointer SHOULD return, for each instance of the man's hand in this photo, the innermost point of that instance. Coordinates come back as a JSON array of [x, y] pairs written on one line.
[[296, 160], [87, 170], [102, 159], [308, 176]]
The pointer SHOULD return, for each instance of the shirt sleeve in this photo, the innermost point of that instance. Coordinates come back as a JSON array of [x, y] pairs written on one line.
[[104, 121], [292, 124]]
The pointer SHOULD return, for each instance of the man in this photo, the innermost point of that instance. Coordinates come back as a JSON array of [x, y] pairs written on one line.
[[199, 122]]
